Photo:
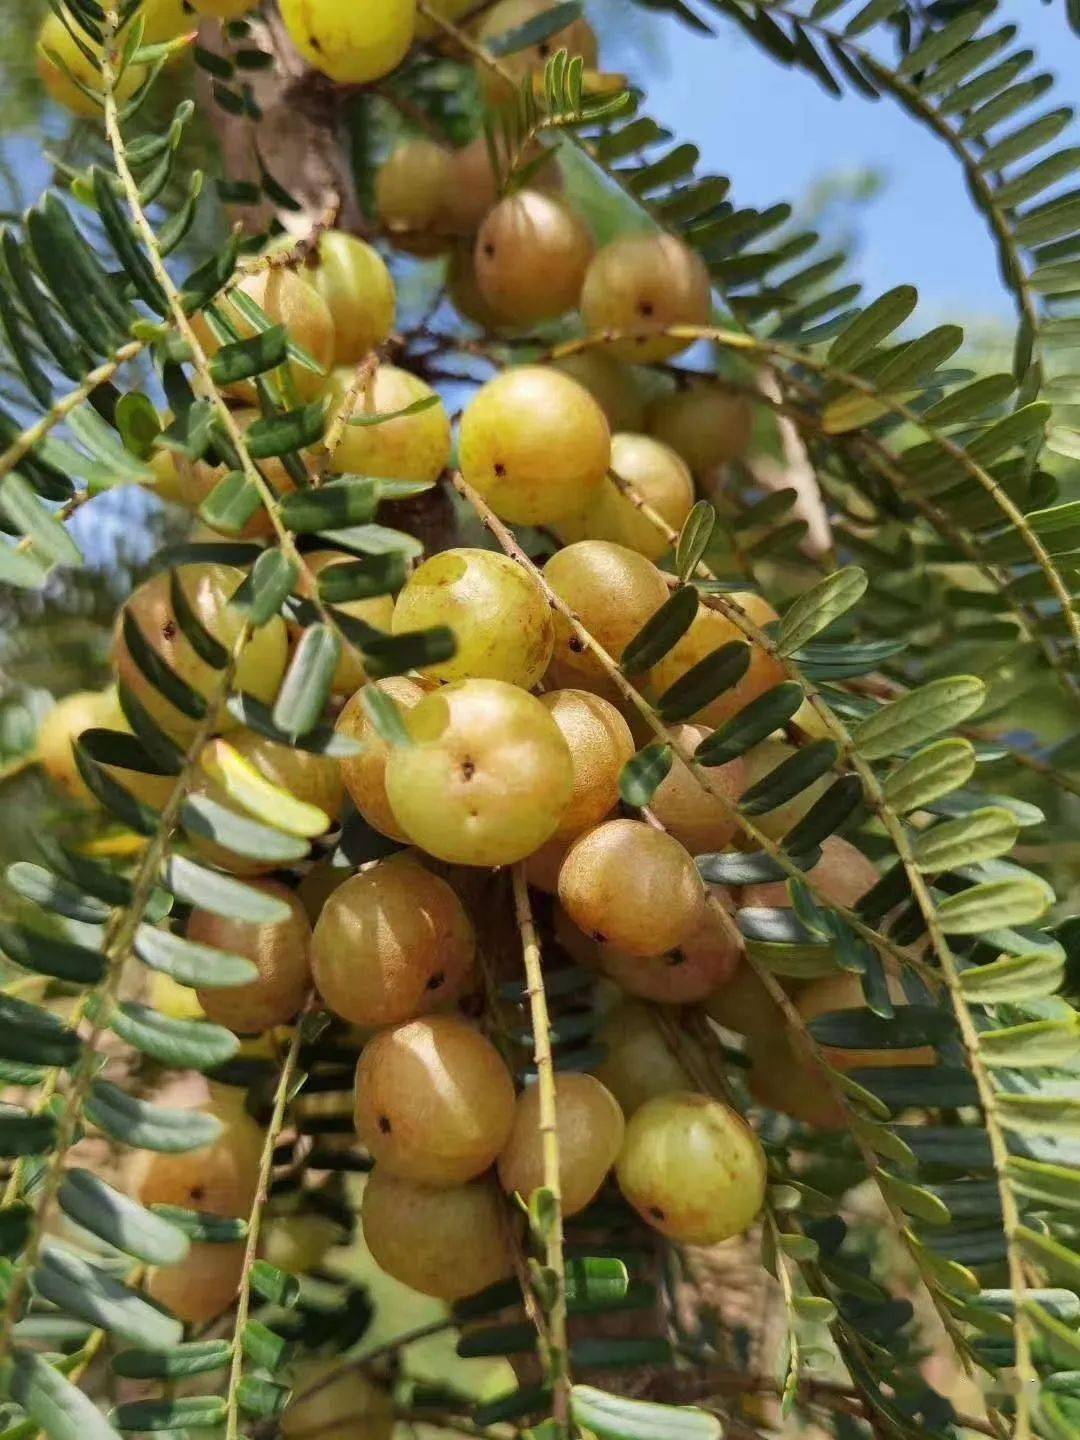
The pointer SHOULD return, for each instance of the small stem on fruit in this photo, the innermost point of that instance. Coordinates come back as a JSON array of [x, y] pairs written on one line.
[[358, 385]]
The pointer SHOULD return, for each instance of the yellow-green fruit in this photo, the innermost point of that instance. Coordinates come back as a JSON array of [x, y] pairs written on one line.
[[614, 387], [577, 38], [313, 779], [62, 726], [706, 425], [165, 20], [497, 611], [589, 1126], [434, 1100], [353, 44], [534, 444], [487, 777], [412, 447], [196, 481], [376, 610], [217, 1179], [365, 774], [844, 992], [299, 1243], [334, 1403], [700, 964], [531, 256], [628, 885], [639, 1063], [223, 9], [411, 189], [709, 631], [173, 1000], [600, 745], [352, 278], [54, 38], [638, 286], [278, 949], [762, 760], [843, 874], [448, 1242], [207, 590], [391, 944], [699, 818], [203, 1284], [286, 300], [659, 478], [692, 1168], [612, 591]]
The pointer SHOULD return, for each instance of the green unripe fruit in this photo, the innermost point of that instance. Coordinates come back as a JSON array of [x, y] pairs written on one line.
[[412, 188], [358, 289], [659, 477]]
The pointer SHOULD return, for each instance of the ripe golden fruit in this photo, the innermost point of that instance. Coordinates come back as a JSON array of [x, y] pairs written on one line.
[[208, 590], [411, 190], [843, 874], [223, 9], [692, 1168], [286, 300], [448, 1242], [278, 949], [709, 631], [165, 20], [217, 1179], [706, 425], [352, 278], [640, 285], [487, 777], [202, 1285], [353, 44], [600, 745], [54, 38], [639, 1063], [531, 256], [662, 481], [761, 761], [590, 1128], [613, 591], [365, 774], [844, 992], [434, 1100], [631, 886], [313, 779], [535, 445], [497, 611], [577, 38], [697, 819], [701, 963], [376, 610], [412, 447], [391, 944], [62, 726], [196, 481], [347, 1407]]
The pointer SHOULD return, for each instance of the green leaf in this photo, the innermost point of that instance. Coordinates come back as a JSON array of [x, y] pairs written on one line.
[[221, 894], [864, 1030], [267, 587], [25, 1134], [207, 1229], [1033, 1045], [119, 1220], [349, 501], [826, 815], [385, 716], [197, 1357], [20, 503], [971, 401], [1062, 1340], [263, 1347], [919, 716], [982, 835], [191, 963], [31, 1035], [818, 607], [721, 669], [752, 724], [1023, 141], [305, 689], [144, 1126], [661, 632], [159, 672], [242, 359], [83, 1290], [196, 1412], [210, 820], [275, 435], [1043, 1115], [613, 1417], [533, 32], [260, 1398], [694, 539], [61, 1409], [232, 504], [274, 1285], [790, 778], [871, 326], [179, 1044], [46, 955], [236, 777], [914, 1200], [930, 774], [408, 650], [643, 775], [1014, 978], [1055, 1187], [362, 579], [992, 906]]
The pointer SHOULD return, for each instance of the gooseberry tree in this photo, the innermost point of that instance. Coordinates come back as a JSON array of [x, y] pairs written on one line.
[[559, 810]]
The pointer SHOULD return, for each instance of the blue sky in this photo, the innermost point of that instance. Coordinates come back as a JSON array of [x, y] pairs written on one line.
[[775, 131]]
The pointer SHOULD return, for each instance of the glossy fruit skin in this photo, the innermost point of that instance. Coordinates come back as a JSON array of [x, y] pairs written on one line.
[[577, 38], [761, 761], [639, 1064], [62, 726], [843, 874], [497, 611], [613, 591], [352, 278], [208, 589], [628, 885], [377, 610], [217, 1179], [365, 774], [707, 426], [392, 943], [353, 44], [700, 964], [165, 20], [280, 951], [434, 1100], [708, 632], [534, 444], [413, 447], [411, 189], [54, 36], [590, 1130], [487, 777], [203, 1284], [692, 1168], [614, 387], [287, 300], [662, 481], [642, 284], [600, 745], [196, 481], [532, 252], [697, 819], [446, 1242], [347, 1407]]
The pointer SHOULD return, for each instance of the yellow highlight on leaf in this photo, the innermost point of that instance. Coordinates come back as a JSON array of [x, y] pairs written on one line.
[[258, 796]]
